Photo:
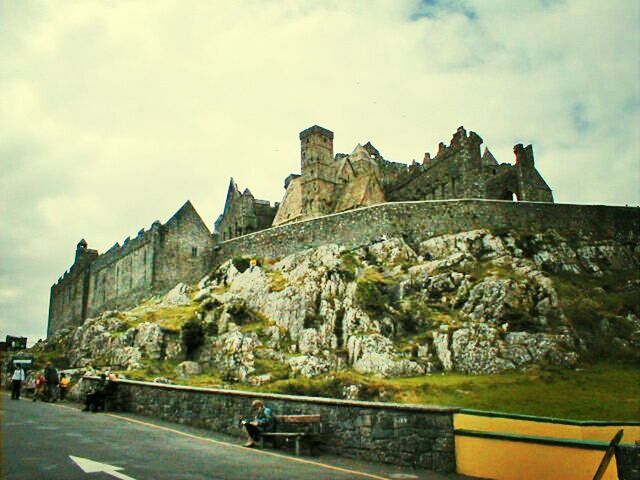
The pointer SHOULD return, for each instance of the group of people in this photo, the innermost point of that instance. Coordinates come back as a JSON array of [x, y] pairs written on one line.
[[48, 386]]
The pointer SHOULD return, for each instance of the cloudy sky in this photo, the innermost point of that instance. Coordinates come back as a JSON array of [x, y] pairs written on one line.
[[114, 113]]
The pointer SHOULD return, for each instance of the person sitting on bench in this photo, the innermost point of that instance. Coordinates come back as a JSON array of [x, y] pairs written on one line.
[[261, 423], [95, 398]]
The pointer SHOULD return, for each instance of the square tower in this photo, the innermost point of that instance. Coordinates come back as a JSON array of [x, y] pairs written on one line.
[[318, 171]]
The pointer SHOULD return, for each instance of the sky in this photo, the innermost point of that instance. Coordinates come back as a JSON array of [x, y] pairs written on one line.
[[114, 113]]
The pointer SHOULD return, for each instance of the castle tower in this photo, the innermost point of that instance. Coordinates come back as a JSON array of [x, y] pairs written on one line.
[[318, 171], [316, 148]]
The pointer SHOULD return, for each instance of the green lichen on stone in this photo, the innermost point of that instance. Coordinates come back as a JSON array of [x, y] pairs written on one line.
[[277, 281]]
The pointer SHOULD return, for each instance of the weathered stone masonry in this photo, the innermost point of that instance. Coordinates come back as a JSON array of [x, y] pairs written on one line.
[[183, 250], [459, 189], [416, 435], [153, 262], [416, 221]]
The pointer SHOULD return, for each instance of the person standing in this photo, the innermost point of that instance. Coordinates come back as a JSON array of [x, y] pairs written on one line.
[[64, 385], [51, 376], [16, 382]]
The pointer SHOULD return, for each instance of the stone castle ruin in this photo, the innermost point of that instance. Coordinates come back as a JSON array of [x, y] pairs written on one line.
[[183, 249], [331, 183]]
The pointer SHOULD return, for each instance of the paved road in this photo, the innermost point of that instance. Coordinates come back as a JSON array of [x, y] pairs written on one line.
[[40, 439]]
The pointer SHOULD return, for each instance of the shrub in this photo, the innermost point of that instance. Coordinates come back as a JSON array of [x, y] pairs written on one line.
[[371, 297], [238, 311], [349, 265], [240, 263]]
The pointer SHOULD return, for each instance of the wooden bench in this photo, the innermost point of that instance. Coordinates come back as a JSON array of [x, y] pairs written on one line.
[[308, 427]]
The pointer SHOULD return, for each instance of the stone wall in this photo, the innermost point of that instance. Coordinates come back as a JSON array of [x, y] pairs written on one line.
[[414, 435], [123, 274], [150, 264], [68, 297], [183, 250], [416, 221]]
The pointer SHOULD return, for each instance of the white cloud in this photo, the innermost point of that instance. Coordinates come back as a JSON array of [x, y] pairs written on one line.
[[115, 113]]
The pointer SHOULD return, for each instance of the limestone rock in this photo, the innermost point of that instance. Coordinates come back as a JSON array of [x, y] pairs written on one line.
[[392, 251], [308, 365], [150, 339], [178, 295], [441, 344], [127, 357], [188, 369], [373, 354]]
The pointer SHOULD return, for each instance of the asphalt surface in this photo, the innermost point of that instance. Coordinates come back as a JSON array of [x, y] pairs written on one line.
[[40, 440]]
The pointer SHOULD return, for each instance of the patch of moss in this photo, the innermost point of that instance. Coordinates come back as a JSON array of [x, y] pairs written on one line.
[[373, 291], [277, 281], [349, 265], [238, 311], [252, 327], [168, 318], [314, 387], [277, 370], [372, 275], [371, 297]]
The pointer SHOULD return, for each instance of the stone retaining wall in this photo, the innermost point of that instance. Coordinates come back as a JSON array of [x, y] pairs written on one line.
[[416, 221], [390, 433]]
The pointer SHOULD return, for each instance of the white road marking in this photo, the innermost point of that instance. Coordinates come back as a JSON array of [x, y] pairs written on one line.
[[91, 466], [232, 445]]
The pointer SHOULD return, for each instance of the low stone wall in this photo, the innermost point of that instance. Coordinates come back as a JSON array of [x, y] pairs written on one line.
[[413, 435], [421, 220]]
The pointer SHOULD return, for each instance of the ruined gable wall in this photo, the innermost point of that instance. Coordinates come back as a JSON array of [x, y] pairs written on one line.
[[420, 220], [239, 217], [175, 259], [440, 179], [533, 186]]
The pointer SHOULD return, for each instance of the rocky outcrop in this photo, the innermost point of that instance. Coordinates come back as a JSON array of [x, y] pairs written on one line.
[[475, 302]]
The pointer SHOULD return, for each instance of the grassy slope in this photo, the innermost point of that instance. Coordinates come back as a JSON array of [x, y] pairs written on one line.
[[596, 392], [599, 392]]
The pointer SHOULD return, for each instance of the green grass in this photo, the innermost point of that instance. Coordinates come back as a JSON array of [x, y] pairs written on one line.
[[168, 318], [596, 392], [599, 392], [349, 265], [278, 370], [57, 358]]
